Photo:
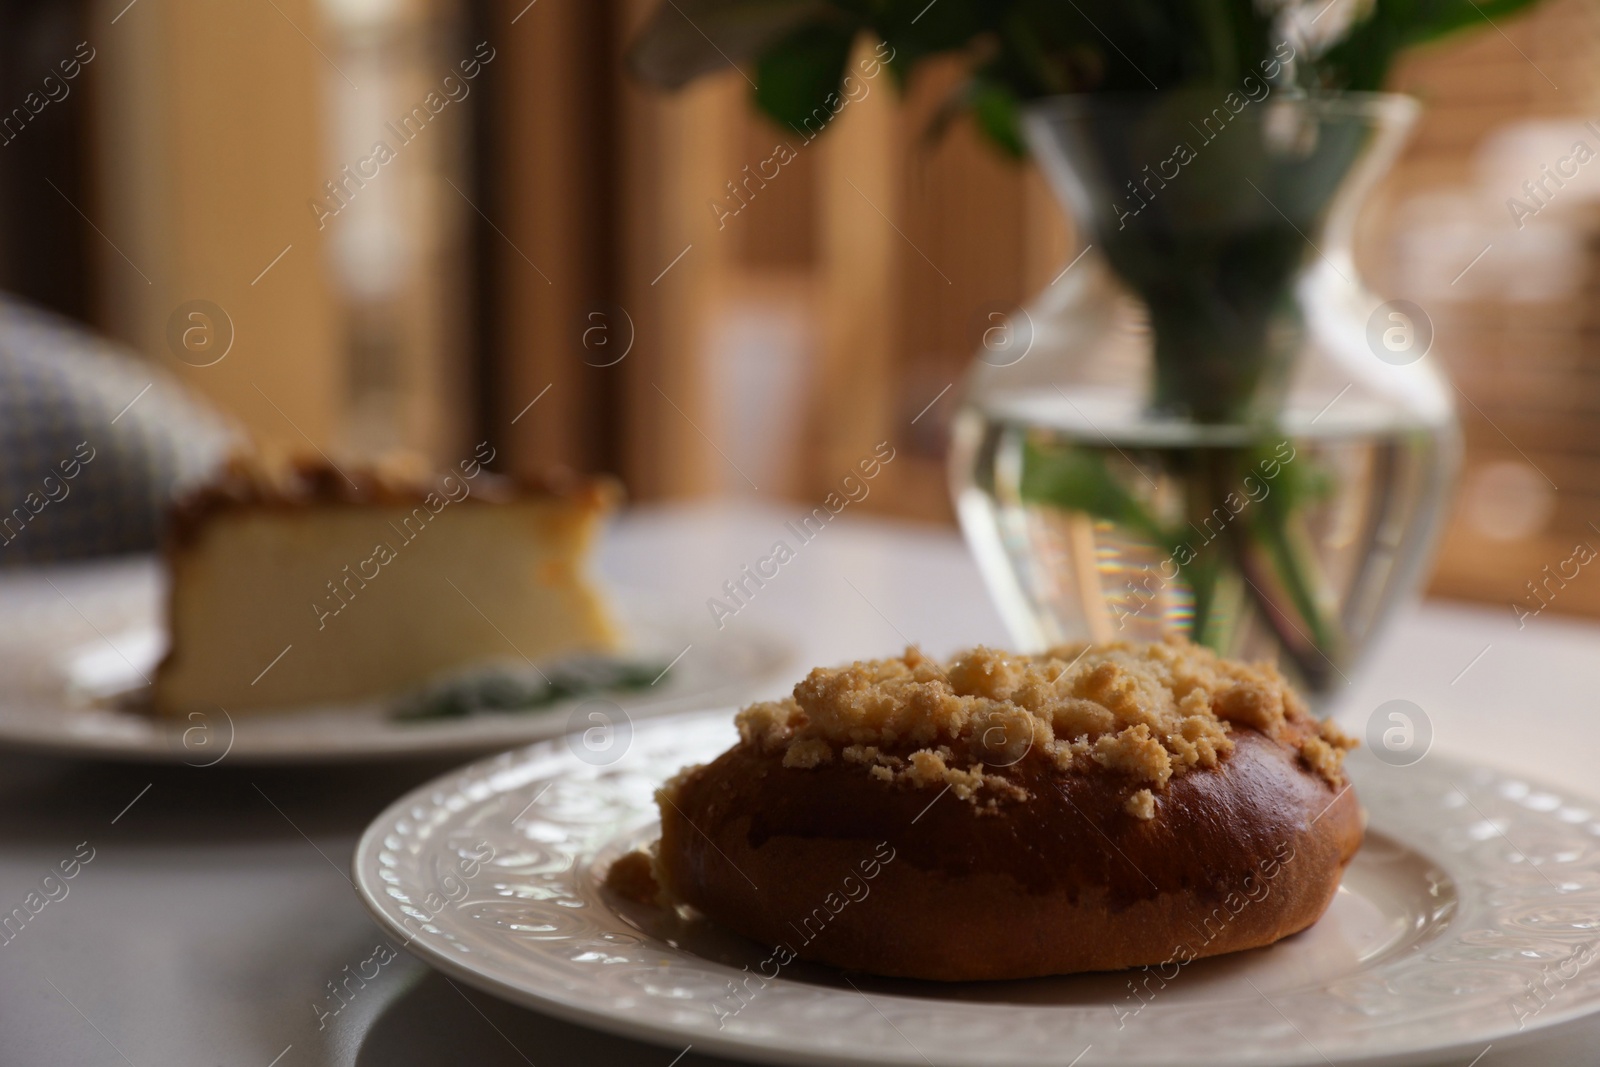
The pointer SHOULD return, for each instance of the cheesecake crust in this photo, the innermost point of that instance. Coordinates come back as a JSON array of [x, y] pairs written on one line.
[[248, 482]]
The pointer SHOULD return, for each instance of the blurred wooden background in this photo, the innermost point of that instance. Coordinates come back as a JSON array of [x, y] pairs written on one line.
[[556, 262]]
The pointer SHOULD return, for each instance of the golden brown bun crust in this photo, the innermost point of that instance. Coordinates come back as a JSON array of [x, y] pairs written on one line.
[[1065, 880]]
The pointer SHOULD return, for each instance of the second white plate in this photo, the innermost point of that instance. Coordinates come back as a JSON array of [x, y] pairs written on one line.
[[1467, 919], [71, 634]]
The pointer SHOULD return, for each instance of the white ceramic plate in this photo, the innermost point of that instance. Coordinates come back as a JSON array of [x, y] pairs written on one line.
[[1445, 937], [71, 637]]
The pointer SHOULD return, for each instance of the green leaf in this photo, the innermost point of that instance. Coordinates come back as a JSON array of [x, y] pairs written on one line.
[[1021, 50], [798, 79], [998, 113], [1077, 480], [941, 26]]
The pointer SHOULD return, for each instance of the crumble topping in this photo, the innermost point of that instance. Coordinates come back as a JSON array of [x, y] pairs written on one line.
[[1146, 712], [1141, 805], [1324, 758]]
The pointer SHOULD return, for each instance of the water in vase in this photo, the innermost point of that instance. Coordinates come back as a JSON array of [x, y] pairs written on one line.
[[1094, 520]]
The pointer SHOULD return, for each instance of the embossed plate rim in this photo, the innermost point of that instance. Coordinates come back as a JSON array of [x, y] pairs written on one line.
[[92, 603], [1398, 799]]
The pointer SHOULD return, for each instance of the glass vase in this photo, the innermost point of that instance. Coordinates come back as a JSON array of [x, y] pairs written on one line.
[[1206, 425]]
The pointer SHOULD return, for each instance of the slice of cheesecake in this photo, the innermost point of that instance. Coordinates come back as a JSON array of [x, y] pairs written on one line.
[[320, 586]]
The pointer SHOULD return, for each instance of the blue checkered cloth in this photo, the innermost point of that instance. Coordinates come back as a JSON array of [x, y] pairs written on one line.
[[94, 442]]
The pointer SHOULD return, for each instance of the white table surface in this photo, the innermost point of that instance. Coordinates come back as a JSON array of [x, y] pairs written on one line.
[[208, 924]]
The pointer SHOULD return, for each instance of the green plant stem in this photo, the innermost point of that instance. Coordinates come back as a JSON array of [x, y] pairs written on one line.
[[1267, 531], [1222, 312], [1202, 571], [1301, 581]]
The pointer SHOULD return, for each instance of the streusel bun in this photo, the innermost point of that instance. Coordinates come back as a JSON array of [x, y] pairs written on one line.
[[1003, 816]]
